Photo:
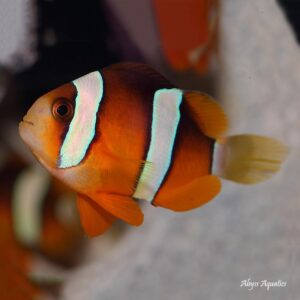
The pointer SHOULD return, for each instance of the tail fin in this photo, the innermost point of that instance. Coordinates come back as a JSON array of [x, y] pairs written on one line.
[[248, 158]]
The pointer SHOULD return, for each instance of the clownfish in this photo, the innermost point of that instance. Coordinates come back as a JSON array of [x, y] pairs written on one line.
[[125, 133]]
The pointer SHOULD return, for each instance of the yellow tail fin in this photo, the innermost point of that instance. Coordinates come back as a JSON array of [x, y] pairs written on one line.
[[248, 158]]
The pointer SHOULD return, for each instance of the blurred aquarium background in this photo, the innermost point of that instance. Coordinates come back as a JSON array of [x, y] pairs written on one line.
[[244, 53]]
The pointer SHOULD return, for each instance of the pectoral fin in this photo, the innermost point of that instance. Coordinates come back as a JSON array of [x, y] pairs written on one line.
[[122, 207], [94, 219], [191, 195]]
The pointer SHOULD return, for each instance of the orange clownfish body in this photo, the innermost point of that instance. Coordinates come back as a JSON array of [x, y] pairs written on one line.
[[126, 133]]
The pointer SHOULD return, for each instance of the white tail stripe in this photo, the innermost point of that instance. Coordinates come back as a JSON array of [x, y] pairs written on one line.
[[218, 157], [165, 120], [82, 128]]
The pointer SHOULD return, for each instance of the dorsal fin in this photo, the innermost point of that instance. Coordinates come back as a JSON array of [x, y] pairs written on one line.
[[143, 70], [207, 113], [94, 219], [123, 207]]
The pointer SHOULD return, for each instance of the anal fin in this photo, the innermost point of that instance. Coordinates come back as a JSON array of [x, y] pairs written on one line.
[[207, 114], [190, 196], [94, 219], [122, 207]]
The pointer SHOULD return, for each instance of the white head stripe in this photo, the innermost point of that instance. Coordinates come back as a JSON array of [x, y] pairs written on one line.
[[83, 125], [165, 119]]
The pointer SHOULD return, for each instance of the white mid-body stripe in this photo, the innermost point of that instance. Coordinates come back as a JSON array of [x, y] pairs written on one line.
[[165, 119], [82, 128]]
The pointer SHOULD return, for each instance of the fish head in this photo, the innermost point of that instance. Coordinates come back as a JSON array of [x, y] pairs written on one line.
[[44, 126]]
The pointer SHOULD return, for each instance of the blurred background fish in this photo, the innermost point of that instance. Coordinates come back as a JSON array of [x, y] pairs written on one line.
[[16, 260], [228, 49], [27, 232], [188, 32]]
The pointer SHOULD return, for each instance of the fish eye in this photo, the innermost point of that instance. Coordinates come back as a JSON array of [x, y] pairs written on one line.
[[62, 109]]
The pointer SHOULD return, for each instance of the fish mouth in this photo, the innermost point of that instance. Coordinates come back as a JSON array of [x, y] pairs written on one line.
[[27, 122]]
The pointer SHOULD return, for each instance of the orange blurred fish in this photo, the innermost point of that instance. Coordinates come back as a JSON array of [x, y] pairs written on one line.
[[126, 133], [45, 216], [23, 271], [188, 31], [15, 260]]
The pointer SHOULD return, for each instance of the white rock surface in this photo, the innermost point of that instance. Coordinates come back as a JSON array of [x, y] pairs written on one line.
[[17, 19], [246, 232]]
